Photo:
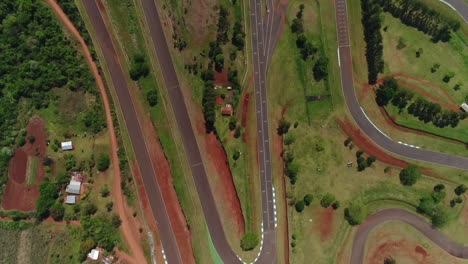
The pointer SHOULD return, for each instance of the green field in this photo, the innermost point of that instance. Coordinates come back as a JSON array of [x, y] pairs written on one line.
[[31, 171], [319, 151]]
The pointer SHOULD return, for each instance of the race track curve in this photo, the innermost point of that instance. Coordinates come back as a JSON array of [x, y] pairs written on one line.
[[382, 140]]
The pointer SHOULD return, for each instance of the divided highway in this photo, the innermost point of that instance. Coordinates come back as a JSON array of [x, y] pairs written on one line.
[[382, 140], [148, 173]]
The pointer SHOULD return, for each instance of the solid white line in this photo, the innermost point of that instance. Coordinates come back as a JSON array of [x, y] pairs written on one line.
[[448, 5], [374, 125], [338, 51]]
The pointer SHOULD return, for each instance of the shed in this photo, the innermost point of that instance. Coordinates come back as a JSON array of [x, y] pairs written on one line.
[[67, 145], [70, 199], [94, 254], [227, 110], [74, 187], [464, 106]]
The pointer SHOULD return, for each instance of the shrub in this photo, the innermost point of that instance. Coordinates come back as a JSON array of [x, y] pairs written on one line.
[[409, 175], [355, 214], [57, 211], [249, 241], [439, 187], [327, 200], [105, 191], [336, 205], [440, 217], [283, 127], [32, 139], [103, 162], [461, 189], [88, 209], [232, 123], [236, 155], [299, 206], [152, 97], [389, 260], [308, 199], [109, 206]]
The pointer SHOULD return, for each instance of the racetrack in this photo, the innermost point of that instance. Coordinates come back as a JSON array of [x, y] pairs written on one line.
[[388, 144]]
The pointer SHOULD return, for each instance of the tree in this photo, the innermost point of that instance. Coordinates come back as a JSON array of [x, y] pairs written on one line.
[[435, 67], [152, 97], [370, 160], [109, 206], [249, 241], [327, 200], [115, 220], [57, 211], [139, 68], [460, 189], [103, 162], [336, 205], [440, 216], [389, 260], [297, 26], [219, 62], [409, 175], [439, 187], [48, 193], [308, 199], [438, 196], [355, 214], [289, 139], [236, 155], [362, 163], [426, 206], [232, 123], [88, 208], [283, 127], [299, 206], [321, 69], [86, 246]]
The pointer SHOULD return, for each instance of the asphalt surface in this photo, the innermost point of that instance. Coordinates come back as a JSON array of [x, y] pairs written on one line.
[[360, 117], [188, 137], [344, 51], [394, 214], [148, 173], [459, 6]]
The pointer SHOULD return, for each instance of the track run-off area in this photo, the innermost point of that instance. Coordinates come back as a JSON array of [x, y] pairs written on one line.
[[385, 142]]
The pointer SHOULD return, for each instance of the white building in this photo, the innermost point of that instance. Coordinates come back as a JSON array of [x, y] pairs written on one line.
[[68, 145], [94, 254], [464, 106], [74, 187], [70, 199]]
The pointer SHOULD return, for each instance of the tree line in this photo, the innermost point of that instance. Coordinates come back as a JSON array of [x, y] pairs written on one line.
[[415, 14], [307, 48], [421, 108], [371, 12]]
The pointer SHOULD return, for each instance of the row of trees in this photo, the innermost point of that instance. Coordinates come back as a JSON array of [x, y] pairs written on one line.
[[371, 12], [363, 162], [209, 100], [415, 14], [421, 108], [307, 49]]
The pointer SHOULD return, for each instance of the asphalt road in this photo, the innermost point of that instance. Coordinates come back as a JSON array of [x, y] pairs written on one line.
[[148, 173], [394, 214], [188, 137], [459, 6], [344, 51], [360, 117]]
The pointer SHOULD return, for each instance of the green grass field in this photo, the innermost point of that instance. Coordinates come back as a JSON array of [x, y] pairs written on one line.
[[319, 151], [400, 62], [31, 171]]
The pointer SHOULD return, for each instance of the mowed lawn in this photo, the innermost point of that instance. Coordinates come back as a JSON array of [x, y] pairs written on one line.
[[319, 150]]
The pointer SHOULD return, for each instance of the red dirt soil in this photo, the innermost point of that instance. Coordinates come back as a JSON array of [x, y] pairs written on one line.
[[245, 109], [164, 179], [400, 247], [218, 157], [221, 78], [363, 142], [129, 235], [18, 194], [325, 223]]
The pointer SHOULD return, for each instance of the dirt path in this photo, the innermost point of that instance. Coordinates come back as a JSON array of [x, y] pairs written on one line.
[[130, 236]]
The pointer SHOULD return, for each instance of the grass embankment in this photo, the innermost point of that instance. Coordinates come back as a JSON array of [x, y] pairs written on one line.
[[318, 149], [130, 37], [452, 57]]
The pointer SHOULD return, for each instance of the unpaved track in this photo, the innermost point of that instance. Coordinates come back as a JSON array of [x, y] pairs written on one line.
[[130, 236], [395, 214]]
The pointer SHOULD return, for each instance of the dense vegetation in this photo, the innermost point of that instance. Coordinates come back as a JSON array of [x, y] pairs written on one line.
[[421, 108], [415, 14], [35, 57], [374, 48]]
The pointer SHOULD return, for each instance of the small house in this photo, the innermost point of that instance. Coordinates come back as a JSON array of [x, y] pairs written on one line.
[[68, 145], [227, 110], [70, 199], [464, 106], [94, 254], [74, 187]]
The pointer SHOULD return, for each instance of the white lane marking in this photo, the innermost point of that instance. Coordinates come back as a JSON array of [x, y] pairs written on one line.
[[409, 145], [338, 51], [374, 125], [164, 256]]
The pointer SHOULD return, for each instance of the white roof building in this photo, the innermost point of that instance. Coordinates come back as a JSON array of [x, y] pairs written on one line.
[[70, 199], [94, 254], [74, 187], [464, 106], [68, 145]]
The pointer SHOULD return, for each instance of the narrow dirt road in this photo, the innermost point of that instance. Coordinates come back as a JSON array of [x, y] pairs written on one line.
[[130, 236]]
